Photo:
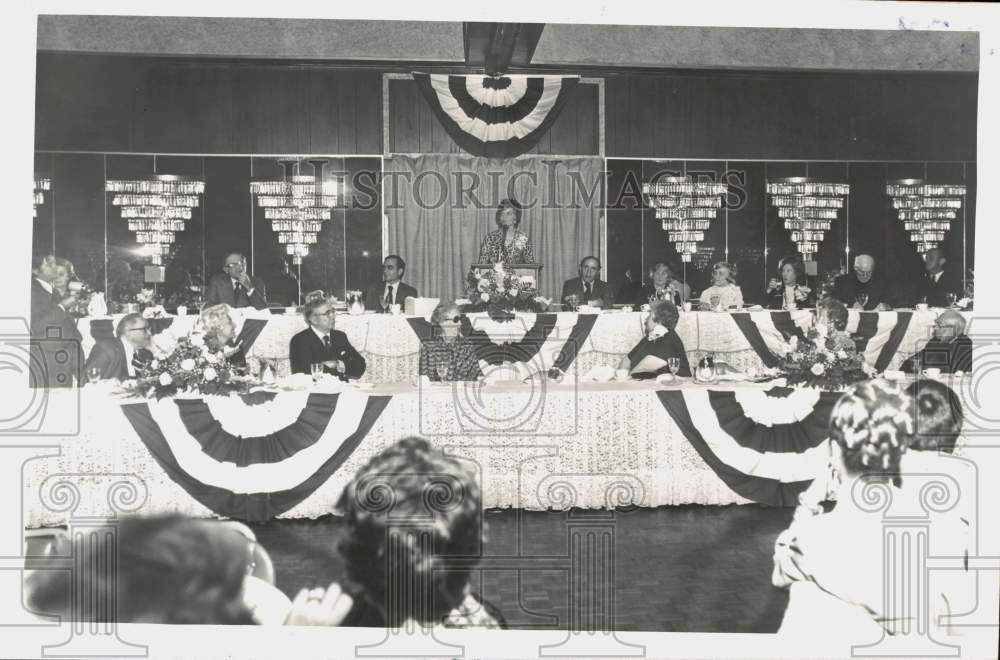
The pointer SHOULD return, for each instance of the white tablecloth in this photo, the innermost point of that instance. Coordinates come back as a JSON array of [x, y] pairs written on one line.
[[391, 348]]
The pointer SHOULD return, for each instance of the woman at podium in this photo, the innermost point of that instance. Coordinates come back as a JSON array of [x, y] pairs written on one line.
[[507, 243]]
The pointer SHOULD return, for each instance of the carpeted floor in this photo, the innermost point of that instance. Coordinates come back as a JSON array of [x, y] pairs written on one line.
[[676, 569]]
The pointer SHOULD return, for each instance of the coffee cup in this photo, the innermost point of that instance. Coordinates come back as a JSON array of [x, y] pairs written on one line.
[[922, 307], [931, 372], [621, 374], [626, 308], [687, 307], [182, 311], [395, 308]]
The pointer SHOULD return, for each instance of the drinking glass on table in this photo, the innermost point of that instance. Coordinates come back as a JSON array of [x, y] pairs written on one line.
[[951, 298], [442, 372], [861, 299], [317, 371], [716, 302], [673, 363], [385, 302], [94, 375]]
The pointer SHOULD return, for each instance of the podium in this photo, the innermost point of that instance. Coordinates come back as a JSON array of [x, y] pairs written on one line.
[[518, 269]]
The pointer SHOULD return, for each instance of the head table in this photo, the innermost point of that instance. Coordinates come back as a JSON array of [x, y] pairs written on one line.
[[535, 446], [390, 344]]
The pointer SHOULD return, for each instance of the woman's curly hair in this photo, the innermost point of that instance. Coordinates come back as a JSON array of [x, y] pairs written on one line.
[[873, 425], [408, 510], [665, 313], [212, 322], [170, 569]]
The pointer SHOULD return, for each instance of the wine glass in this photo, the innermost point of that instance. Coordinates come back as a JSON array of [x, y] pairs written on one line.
[[384, 302], [716, 302], [94, 374], [317, 371], [442, 372], [951, 298], [862, 299], [673, 363]]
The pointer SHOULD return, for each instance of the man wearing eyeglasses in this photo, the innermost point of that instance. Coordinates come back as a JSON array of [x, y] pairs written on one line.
[[234, 287], [392, 290], [127, 354], [321, 344], [949, 350], [864, 289]]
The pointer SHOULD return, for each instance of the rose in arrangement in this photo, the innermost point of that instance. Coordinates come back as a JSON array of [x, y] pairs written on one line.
[[500, 293], [827, 359], [187, 364]]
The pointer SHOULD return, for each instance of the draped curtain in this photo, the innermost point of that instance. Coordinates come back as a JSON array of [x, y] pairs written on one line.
[[441, 206]]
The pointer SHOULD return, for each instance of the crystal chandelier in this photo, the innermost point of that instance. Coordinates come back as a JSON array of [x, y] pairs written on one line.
[[808, 207], [925, 209], [156, 208], [297, 206], [686, 209], [42, 185]]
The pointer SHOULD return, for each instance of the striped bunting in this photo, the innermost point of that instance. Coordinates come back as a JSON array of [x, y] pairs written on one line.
[[766, 446], [766, 332], [530, 343], [877, 335], [497, 117], [258, 477]]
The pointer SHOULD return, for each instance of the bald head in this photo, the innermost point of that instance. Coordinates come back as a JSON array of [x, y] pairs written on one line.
[[864, 267], [949, 324]]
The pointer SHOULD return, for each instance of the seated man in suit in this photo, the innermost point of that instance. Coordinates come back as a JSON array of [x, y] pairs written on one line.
[[127, 354], [234, 287], [950, 350], [864, 281], [587, 288], [53, 327], [320, 343], [391, 290], [939, 280]]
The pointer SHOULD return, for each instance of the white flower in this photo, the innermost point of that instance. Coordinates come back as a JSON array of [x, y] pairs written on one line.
[[842, 354], [211, 358], [822, 330], [164, 343], [485, 297], [165, 379], [187, 364], [793, 343], [155, 364], [502, 291], [209, 374], [498, 266], [818, 369], [196, 339]]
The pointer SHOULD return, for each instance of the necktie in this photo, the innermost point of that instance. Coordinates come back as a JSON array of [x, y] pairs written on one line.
[[137, 364], [326, 342], [388, 296], [237, 290], [586, 292]]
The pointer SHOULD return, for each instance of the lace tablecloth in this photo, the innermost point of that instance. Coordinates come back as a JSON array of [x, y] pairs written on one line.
[[588, 445], [392, 350]]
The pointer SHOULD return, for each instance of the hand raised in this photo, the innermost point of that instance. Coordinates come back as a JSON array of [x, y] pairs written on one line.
[[319, 607]]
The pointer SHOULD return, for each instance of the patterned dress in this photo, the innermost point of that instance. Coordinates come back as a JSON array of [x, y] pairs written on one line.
[[492, 249], [457, 356]]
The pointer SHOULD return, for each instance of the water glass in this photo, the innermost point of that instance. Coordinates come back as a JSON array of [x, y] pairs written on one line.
[[673, 363], [716, 302], [951, 298], [94, 374], [317, 371], [442, 372], [862, 299]]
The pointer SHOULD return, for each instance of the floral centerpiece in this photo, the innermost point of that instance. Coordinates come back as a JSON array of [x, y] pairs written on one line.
[[827, 359], [500, 293], [188, 365]]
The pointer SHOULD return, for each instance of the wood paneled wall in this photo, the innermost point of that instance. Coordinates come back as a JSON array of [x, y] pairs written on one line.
[[788, 116], [108, 104]]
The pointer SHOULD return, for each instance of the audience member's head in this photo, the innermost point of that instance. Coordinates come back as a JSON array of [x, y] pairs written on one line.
[[135, 330], [590, 268], [934, 260], [662, 312], [871, 425], [446, 314], [319, 314], [864, 267], [723, 273], [170, 569], [791, 271], [217, 325], [832, 312], [393, 268], [949, 325], [508, 213], [938, 415], [408, 510]]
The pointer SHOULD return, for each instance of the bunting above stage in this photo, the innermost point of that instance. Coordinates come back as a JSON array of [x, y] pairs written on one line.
[[496, 117]]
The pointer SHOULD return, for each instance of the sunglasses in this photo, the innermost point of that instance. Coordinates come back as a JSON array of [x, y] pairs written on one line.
[[453, 319]]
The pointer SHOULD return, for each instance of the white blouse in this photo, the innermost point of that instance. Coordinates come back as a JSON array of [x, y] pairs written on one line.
[[730, 295]]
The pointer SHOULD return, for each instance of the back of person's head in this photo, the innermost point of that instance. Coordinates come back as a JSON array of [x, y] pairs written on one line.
[[872, 425], [170, 569], [406, 511], [938, 415], [665, 313]]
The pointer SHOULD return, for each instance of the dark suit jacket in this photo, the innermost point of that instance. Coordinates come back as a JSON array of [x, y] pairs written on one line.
[[376, 291], [670, 345], [53, 330], [220, 290], [306, 349], [847, 287], [601, 291], [109, 356], [949, 357], [936, 292]]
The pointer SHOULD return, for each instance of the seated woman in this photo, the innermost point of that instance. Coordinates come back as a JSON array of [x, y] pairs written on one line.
[[170, 569], [407, 512], [650, 355], [219, 331], [789, 290], [723, 288], [447, 355], [837, 587], [507, 243], [664, 286]]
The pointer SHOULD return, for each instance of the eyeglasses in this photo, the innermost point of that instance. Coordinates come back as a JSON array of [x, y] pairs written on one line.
[[328, 312], [143, 328], [234, 265]]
